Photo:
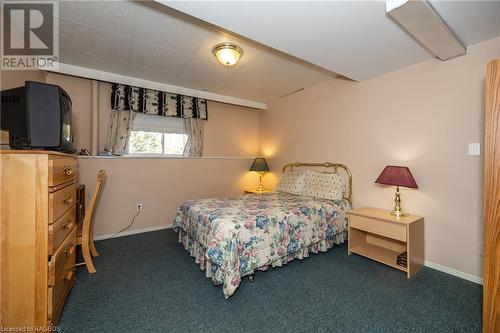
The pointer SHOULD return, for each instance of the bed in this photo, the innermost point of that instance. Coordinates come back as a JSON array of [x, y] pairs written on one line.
[[235, 236]]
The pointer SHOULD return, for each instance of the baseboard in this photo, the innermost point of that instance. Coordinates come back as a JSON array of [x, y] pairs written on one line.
[[451, 271], [132, 232], [444, 269]]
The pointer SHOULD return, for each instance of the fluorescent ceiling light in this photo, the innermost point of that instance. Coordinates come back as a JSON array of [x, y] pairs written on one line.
[[424, 24]]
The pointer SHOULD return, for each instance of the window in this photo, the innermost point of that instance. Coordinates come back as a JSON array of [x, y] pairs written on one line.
[[157, 135]]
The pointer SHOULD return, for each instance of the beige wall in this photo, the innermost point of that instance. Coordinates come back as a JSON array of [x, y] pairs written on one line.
[[12, 79], [161, 185], [231, 131], [422, 116]]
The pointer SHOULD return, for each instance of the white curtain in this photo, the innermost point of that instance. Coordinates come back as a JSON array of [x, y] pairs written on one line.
[[194, 130], [120, 125]]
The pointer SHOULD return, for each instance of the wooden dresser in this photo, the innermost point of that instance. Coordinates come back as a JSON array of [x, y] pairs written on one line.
[[38, 236]]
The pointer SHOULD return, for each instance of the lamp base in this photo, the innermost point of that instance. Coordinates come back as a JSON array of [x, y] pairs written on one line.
[[260, 188], [397, 210], [399, 213]]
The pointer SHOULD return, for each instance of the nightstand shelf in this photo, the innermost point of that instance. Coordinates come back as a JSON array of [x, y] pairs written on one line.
[[379, 254], [375, 234]]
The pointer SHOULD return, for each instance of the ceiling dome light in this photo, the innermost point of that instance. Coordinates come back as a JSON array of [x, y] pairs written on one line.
[[227, 54]]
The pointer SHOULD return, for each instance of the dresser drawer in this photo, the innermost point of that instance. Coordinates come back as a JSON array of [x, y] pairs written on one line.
[[60, 201], [55, 309], [62, 170], [378, 227], [61, 272], [60, 229]]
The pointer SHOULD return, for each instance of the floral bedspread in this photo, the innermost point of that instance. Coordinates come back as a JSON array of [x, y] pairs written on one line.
[[232, 237]]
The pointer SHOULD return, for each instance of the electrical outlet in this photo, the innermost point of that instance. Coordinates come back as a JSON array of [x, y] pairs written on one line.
[[139, 207]]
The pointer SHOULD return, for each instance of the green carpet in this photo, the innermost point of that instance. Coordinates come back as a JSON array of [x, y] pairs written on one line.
[[148, 283]]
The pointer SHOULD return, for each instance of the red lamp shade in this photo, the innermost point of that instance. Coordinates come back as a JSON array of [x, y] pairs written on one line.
[[396, 176]]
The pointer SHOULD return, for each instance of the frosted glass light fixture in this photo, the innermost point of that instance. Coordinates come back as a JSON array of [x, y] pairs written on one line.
[[227, 54]]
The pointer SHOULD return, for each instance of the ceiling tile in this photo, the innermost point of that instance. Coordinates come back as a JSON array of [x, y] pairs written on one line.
[[72, 57], [161, 29], [145, 55], [207, 71], [104, 15], [94, 42]]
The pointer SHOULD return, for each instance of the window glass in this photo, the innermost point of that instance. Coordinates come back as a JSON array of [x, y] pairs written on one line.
[[174, 143], [157, 135], [142, 142]]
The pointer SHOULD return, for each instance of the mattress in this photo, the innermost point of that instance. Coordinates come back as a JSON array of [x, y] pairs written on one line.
[[235, 236]]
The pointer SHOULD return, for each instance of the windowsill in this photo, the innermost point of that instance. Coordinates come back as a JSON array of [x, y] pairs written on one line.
[[150, 155], [168, 157]]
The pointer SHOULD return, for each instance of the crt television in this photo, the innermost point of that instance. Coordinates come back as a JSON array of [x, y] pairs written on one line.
[[37, 116]]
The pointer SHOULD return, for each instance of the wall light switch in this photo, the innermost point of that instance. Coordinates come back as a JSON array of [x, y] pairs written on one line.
[[474, 149]]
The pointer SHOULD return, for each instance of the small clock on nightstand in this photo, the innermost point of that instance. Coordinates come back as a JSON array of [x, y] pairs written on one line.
[[250, 191]]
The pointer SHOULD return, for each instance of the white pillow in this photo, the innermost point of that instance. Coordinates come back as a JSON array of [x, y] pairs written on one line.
[[325, 185], [292, 182]]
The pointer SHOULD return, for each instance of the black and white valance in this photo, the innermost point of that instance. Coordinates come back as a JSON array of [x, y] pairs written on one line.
[[154, 102]]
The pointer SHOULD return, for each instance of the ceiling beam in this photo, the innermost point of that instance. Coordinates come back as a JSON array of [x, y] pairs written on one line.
[[95, 74], [421, 21]]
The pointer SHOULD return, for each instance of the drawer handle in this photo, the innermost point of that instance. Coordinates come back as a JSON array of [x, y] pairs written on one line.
[[69, 275], [67, 226], [68, 171], [68, 200]]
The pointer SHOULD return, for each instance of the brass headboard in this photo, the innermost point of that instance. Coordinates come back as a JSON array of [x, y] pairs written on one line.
[[335, 166]]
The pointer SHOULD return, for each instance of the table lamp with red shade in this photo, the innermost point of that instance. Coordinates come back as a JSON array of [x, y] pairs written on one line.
[[397, 176]]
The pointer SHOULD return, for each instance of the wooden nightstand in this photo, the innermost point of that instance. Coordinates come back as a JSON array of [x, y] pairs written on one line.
[[250, 191], [376, 234]]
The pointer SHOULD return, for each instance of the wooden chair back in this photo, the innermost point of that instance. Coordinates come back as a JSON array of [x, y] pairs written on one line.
[[101, 176], [87, 239]]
